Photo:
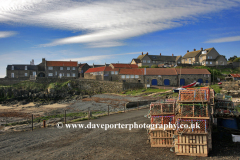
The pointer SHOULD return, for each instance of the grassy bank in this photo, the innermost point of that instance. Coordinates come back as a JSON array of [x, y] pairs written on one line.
[[135, 92]]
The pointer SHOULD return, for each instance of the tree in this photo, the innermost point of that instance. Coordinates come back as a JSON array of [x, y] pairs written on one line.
[[236, 59], [232, 58]]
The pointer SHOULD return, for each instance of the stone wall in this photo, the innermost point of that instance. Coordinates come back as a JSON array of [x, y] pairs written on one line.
[[11, 81], [191, 78], [160, 80]]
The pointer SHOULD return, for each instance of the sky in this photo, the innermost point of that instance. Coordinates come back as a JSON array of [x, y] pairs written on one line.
[[108, 31]]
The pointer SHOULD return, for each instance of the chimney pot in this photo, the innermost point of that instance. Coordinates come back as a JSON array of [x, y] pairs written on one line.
[[172, 54], [142, 53], [194, 49], [147, 53], [160, 54], [187, 50], [201, 49]]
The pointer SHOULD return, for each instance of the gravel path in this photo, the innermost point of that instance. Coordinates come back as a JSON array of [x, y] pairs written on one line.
[[53, 143]]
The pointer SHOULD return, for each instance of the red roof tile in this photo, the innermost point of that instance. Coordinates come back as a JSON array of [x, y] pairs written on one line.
[[161, 71], [100, 69], [192, 71], [62, 63], [134, 71], [120, 65], [235, 75]]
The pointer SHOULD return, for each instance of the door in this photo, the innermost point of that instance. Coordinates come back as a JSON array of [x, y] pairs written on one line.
[[200, 81], [182, 82], [154, 82], [60, 75], [206, 81], [12, 75], [166, 82]]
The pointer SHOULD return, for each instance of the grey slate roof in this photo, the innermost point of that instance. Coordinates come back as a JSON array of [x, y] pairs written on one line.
[[191, 54], [159, 58], [22, 67]]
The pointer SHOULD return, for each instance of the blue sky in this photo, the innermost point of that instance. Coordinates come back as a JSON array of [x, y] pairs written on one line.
[[109, 31]]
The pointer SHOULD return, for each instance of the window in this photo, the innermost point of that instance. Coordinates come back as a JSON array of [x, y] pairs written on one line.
[[73, 68], [68, 68], [25, 67], [127, 76], [50, 68], [68, 74], [136, 76], [154, 61], [116, 72], [131, 76], [210, 62], [206, 62], [208, 75], [56, 73], [189, 59], [50, 74], [123, 76], [148, 61], [12, 75], [193, 59], [112, 72], [73, 75], [12, 67], [61, 68], [144, 61], [178, 62], [25, 74], [209, 57]]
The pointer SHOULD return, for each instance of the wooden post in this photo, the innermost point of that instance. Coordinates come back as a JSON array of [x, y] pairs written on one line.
[[108, 109], [137, 105], [32, 122], [89, 113], [124, 108], [65, 119], [44, 123]]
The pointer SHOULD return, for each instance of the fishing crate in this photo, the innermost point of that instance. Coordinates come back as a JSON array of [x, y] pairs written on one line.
[[161, 138], [193, 110], [163, 119], [160, 108], [192, 126], [192, 145], [193, 95]]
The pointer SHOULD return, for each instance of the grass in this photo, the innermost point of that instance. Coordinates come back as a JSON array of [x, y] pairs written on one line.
[[216, 88], [140, 91]]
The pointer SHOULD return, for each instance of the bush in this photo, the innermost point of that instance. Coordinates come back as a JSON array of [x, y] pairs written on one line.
[[236, 59], [154, 66]]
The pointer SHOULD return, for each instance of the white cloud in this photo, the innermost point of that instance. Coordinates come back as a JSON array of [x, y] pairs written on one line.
[[98, 59], [5, 34], [106, 21], [225, 39]]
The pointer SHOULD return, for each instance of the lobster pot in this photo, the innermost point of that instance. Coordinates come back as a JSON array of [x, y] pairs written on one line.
[[193, 95], [162, 108], [160, 138], [224, 105], [163, 119], [191, 145], [192, 126], [194, 110]]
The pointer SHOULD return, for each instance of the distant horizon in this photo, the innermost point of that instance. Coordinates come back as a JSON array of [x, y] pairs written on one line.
[[108, 31]]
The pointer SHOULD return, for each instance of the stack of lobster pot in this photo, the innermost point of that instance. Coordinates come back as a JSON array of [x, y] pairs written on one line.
[[193, 115], [162, 114]]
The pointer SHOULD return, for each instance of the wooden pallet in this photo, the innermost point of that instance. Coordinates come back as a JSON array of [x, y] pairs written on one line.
[[192, 145], [160, 138]]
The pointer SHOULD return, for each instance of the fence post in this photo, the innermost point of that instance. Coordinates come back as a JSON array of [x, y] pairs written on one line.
[[44, 123], [138, 105], [124, 108], [89, 114], [108, 109], [65, 119], [32, 122]]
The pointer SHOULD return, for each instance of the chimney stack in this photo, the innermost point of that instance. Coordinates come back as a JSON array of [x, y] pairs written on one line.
[[160, 54], [105, 64], [147, 53], [194, 49], [172, 54], [93, 65], [201, 49], [142, 53], [187, 50]]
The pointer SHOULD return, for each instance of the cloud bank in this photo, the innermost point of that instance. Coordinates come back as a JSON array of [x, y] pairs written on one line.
[[5, 34], [107, 23], [225, 39]]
